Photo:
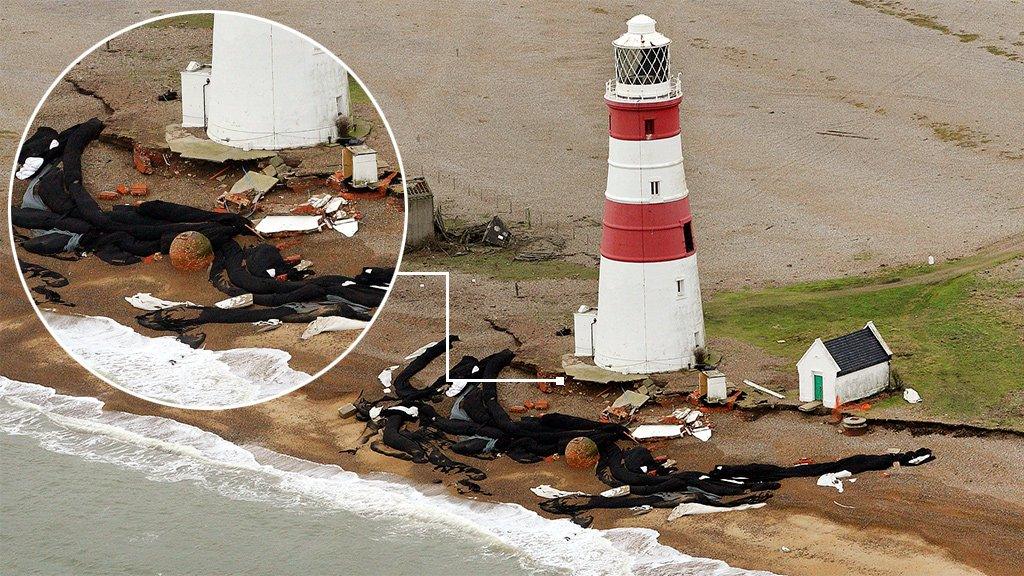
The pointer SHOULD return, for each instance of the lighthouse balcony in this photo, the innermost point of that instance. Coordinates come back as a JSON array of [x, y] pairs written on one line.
[[616, 91]]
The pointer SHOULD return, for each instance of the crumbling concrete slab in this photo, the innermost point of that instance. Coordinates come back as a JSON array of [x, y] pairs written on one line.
[[182, 142], [253, 181], [810, 407], [347, 410], [630, 398], [583, 372]]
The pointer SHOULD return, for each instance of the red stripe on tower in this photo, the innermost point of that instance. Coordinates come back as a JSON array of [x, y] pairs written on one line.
[[647, 232], [643, 120]]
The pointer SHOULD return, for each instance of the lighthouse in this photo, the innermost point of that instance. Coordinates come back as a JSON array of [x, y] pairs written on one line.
[[649, 316], [268, 88]]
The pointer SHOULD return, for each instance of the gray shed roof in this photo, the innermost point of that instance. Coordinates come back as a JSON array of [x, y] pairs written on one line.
[[857, 351]]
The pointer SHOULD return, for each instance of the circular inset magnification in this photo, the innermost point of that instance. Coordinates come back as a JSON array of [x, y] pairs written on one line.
[[208, 209]]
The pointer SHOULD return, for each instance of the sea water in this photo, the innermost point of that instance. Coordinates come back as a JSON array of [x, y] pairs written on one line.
[[88, 491], [167, 371]]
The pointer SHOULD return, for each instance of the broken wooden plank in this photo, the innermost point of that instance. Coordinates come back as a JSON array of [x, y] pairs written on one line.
[[763, 389]]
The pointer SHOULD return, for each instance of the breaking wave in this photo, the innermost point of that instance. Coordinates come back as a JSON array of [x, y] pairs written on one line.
[[167, 371], [166, 450]]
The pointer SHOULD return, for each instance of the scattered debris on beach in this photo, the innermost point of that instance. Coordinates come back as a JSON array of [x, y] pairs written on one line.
[[63, 220], [410, 426]]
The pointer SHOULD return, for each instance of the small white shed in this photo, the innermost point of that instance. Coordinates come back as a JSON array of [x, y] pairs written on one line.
[[713, 385], [846, 368], [360, 162]]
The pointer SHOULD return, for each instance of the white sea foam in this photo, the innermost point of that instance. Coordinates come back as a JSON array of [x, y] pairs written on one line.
[[169, 451], [167, 371]]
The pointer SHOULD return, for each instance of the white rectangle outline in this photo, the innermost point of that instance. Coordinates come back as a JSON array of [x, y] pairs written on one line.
[[558, 380]]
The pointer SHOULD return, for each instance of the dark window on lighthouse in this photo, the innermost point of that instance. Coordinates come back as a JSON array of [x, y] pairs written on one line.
[[688, 237], [649, 127], [655, 187]]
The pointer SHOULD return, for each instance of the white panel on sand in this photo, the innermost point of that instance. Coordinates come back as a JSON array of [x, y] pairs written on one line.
[[271, 89]]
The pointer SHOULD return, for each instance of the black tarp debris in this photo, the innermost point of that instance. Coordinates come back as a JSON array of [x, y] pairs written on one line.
[[480, 427], [46, 281], [64, 218]]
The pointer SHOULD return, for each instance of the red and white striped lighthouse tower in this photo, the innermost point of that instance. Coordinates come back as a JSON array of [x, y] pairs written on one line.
[[649, 313]]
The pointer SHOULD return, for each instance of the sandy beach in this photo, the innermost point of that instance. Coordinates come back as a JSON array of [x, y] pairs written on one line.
[[493, 111], [911, 521]]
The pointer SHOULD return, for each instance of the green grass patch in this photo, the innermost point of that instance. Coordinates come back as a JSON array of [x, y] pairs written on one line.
[[959, 135], [953, 339], [204, 20], [997, 51], [926, 21], [965, 37], [501, 265], [356, 93]]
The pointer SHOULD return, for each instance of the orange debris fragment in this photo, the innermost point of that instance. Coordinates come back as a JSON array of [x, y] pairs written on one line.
[[382, 187], [286, 244], [305, 210], [337, 180], [142, 162]]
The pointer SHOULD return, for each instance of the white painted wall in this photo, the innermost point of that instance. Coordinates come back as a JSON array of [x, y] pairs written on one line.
[[817, 360], [633, 164], [643, 324], [271, 89], [862, 383]]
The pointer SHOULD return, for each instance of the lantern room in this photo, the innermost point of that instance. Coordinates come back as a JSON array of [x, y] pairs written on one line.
[[643, 65]]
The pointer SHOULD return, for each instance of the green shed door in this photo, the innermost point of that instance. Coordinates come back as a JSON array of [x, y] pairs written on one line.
[[818, 386]]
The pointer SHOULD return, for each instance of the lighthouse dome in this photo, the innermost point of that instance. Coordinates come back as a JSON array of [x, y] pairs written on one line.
[[640, 33], [641, 24]]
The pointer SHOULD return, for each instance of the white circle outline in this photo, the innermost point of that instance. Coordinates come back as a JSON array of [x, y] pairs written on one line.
[[24, 282]]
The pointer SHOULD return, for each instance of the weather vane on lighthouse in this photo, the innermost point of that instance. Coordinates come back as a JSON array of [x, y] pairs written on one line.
[[649, 316]]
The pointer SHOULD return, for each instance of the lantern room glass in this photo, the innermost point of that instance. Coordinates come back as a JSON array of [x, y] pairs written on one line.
[[642, 66]]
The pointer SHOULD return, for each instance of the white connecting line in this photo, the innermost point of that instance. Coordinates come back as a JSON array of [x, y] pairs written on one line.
[[558, 380]]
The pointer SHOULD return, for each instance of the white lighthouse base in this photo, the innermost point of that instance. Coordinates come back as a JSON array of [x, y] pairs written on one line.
[[650, 316], [271, 88]]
